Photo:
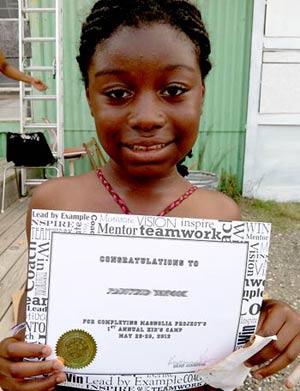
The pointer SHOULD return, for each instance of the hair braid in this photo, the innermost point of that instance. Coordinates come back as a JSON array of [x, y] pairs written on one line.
[[108, 15]]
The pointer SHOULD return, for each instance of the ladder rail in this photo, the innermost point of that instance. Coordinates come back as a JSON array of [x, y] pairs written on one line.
[[59, 81], [21, 64]]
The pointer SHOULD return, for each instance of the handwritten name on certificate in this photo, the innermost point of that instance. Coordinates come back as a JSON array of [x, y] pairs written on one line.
[[142, 302]]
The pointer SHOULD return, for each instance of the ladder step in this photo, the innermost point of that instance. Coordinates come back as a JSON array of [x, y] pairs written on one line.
[[37, 68], [40, 97], [33, 181], [39, 39], [38, 10], [40, 126]]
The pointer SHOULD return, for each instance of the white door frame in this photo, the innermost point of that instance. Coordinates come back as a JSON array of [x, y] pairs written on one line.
[[260, 45]]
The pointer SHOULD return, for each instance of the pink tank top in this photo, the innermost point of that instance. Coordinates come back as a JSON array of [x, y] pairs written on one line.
[[124, 207]]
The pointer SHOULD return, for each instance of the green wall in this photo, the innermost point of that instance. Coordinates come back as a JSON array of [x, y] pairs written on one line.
[[222, 129]]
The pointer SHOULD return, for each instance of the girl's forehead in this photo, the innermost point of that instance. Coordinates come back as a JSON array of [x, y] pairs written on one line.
[[156, 42]]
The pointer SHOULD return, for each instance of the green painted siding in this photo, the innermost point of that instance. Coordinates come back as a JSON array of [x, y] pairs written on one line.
[[223, 121], [79, 124], [4, 128]]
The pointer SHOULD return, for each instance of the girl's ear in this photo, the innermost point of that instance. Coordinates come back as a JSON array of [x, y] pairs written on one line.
[[87, 94]]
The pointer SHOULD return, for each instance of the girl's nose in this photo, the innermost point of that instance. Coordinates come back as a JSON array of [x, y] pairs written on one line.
[[147, 113]]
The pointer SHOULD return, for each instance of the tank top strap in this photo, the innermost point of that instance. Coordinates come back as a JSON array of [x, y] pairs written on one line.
[[112, 192], [124, 207], [179, 200]]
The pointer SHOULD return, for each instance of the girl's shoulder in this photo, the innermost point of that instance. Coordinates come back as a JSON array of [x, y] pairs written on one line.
[[78, 193], [65, 193], [215, 205]]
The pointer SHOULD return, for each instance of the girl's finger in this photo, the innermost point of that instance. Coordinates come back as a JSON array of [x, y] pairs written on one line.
[[47, 383], [282, 360], [261, 320], [21, 370], [275, 316], [284, 337], [12, 348], [272, 320], [294, 378]]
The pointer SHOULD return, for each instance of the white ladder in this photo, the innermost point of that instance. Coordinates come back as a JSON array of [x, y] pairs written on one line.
[[28, 11]]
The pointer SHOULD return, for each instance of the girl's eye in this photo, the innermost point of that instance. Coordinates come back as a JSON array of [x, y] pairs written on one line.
[[118, 93], [174, 90]]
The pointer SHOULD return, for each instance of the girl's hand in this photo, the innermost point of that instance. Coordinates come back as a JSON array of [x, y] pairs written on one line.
[[39, 85], [14, 372], [277, 318]]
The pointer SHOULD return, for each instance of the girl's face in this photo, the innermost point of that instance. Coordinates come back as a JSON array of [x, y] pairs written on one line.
[[146, 94]]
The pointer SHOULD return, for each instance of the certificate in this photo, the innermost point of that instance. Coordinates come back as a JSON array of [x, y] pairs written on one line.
[[142, 302]]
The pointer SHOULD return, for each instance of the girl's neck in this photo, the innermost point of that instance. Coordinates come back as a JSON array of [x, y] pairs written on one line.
[[122, 180], [145, 195]]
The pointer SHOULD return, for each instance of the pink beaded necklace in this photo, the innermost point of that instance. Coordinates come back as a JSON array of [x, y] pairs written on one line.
[[124, 207]]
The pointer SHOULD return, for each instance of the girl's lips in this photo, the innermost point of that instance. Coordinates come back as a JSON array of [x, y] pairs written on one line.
[[136, 147], [147, 153]]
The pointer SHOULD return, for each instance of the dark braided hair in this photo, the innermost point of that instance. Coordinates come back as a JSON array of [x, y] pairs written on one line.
[[108, 15]]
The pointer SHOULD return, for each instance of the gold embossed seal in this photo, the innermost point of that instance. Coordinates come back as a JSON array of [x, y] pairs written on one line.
[[77, 347]]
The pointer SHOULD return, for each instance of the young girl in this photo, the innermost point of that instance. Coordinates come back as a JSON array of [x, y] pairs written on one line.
[[143, 63]]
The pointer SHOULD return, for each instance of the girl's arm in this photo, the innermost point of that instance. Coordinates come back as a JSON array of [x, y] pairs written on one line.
[[13, 73]]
